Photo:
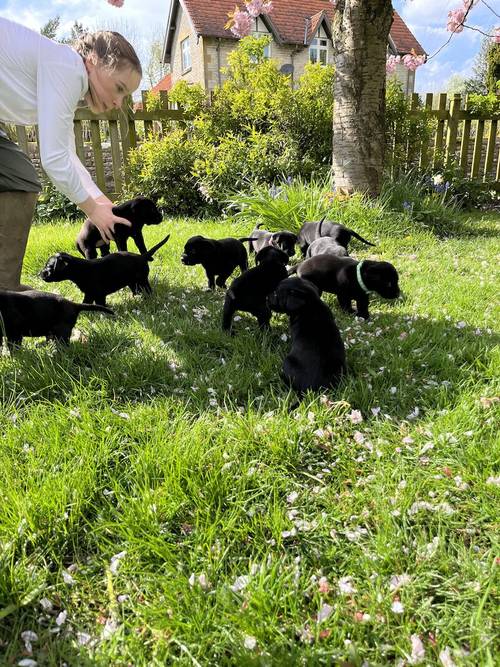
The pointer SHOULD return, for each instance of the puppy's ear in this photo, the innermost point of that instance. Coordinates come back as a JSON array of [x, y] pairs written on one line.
[[295, 299]]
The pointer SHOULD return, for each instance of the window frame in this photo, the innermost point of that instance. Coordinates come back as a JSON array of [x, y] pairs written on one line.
[[186, 67]]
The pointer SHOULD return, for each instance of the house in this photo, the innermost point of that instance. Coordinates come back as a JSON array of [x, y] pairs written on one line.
[[197, 46]]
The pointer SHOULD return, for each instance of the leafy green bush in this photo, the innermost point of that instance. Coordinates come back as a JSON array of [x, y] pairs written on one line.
[[53, 204], [162, 170], [236, 161]]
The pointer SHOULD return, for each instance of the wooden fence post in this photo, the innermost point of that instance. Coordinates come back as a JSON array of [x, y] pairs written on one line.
[[164, 105], [452, 129], [148, 124], [488, 163], [424, 149], [438, 143], [464, 146]]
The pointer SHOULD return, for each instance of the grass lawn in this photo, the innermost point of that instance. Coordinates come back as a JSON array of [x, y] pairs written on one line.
[[161, 503]]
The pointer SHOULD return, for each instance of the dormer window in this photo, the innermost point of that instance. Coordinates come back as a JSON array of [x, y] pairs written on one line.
[[260, 30], [185, 54], [318, 50]]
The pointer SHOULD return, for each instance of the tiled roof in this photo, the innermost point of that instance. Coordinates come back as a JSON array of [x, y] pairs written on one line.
[[164, 84], [291, 21]]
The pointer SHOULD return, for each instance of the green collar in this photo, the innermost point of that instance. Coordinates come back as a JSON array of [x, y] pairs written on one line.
[[360, 279]]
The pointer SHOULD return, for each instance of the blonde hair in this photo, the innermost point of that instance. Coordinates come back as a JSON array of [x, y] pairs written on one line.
[[111, 49]]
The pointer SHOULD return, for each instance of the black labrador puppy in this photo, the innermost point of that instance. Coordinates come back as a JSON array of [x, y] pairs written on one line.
[[140, 211], [317, 357], [310, 231], [283, 240], [218, 257], [350, 280], [97, 278], [326, 246], [34, 313], [248, 292]]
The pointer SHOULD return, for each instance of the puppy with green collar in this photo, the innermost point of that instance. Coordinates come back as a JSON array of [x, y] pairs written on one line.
[[350, 280]]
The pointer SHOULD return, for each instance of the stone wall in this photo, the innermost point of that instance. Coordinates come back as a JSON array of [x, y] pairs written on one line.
[[89, 163]]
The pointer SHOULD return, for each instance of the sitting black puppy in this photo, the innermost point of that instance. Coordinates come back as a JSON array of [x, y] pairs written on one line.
[[248, 292], [317, 357], [350, 280], [218, 257], [310, 231], [283, 240], [140, 211], [97, 278], [34, 313]]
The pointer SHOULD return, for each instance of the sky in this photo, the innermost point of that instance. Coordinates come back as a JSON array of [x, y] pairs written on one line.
[[143, 20]]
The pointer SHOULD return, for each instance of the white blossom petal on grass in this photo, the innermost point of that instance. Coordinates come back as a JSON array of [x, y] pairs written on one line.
[[419, 505], [346, 586], [417, 651], [292, 497], [115, 561], [240, 583], [324, 613], [250, 642], [28, 637], [110, 628], [123, 415], [355, 416], [61, 618], [67, 578], [27, 662], [83, 638], [398, 581], [46, 604], [397, 607], [445, 658], [493, 481]]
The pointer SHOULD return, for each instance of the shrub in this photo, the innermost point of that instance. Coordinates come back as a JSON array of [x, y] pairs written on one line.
[[162, 170], [53, 204], [236, 161]]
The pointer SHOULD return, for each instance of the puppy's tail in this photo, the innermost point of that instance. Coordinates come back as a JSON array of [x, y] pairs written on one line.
[[360, 238], [94, 307], [320, 227], [149, 254]]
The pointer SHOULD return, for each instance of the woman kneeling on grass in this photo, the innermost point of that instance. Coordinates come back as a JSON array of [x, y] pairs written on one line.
[[42, 82]]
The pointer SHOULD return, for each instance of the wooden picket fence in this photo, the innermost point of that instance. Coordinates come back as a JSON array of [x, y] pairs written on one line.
[[125, 129], [467, 139], [462, 137]]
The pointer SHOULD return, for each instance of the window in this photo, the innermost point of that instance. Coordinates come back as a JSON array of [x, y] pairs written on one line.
[[185, 54], [260, 30], [318, 51]]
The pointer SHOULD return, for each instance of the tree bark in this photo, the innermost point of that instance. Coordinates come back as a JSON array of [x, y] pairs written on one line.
[[360, 36]]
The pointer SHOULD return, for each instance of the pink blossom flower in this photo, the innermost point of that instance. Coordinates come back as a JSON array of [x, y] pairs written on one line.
[[116, 3], [412, 61], [256, 7], [355, 416], [323, 585], [469, 4], [240, 23], [496, 36], [391, 63], [455, 20]]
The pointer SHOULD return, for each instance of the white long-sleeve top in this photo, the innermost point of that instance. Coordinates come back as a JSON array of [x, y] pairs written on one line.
[[41, 83]]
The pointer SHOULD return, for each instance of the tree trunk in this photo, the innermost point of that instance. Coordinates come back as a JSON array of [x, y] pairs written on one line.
[[360, 36]]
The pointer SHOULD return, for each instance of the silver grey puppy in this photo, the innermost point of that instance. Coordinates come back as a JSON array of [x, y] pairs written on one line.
[[326, 245]]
